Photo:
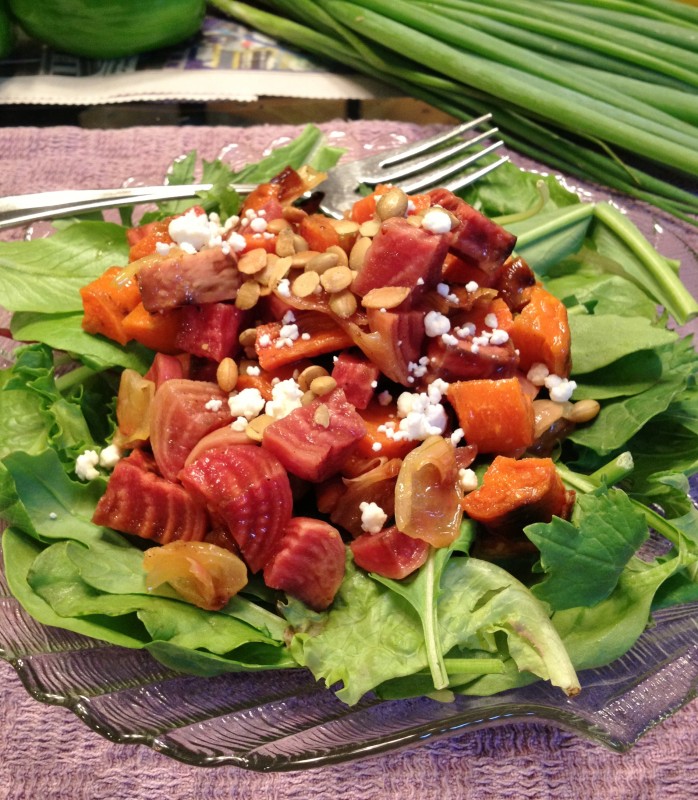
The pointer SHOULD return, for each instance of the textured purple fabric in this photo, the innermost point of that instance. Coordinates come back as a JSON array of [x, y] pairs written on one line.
[[47, 752]]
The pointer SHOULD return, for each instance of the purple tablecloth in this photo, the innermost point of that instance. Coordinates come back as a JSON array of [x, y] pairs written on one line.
[[47, 752]]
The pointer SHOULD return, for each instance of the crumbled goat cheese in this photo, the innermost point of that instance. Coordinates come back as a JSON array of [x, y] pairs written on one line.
[[537, 374], [285, 398], [376, 447], [258, 225], [253, 369], [283, 287], [85, 465], [457, 436], [421, 414], [498, 336], [237, 242], [372, 517], [287, 335], [264, 340], [449, 339], [467, 479], [247, 403], [436, 323], [192, 231], [418, 369], [491, 320], [472, 286], [162, 248], [436, 221], [214, 404], [239, 424], [110, 456], [559, 389]]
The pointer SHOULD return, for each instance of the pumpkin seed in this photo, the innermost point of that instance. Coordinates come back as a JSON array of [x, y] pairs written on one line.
[[227, 375], [336, 279], [253, 261], [392, 204], [322, 262], [358, 252], [247, 295], [343, 303], [309, 374], [305, 284], [323, 385], [322, 416], [256, 427], [582, 411], [385, 297]]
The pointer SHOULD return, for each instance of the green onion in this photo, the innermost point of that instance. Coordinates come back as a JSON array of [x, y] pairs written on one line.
[[605, 90]]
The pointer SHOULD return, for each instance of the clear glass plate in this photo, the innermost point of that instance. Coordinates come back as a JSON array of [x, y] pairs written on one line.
[[284, 720]]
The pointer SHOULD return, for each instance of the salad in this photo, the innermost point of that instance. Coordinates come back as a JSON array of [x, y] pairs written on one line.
[[441, 446]]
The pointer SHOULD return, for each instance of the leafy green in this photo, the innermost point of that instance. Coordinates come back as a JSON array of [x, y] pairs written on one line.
[[583, 559], [46, 275]]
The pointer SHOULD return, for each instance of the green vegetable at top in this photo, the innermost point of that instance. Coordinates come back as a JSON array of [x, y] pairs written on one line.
[[109, 28]]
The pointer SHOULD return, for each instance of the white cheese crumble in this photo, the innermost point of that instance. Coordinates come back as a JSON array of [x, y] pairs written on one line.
[[457, 436], [559, 389], [472, 286], [538, 373], [372, 517], [85, 465], [421, 414], [436, 221], [385, 398], [162, 248], [283, 287], [285, 398], [192, 231], [237, 242], [214, 404], [253, 369], [467, 479], [110, 456], [247, 403], [491, 320], [436, 323]]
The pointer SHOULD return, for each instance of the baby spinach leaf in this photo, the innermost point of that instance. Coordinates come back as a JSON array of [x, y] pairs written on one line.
[[46, 274], [583, 559], [601, 339], [63, 331]]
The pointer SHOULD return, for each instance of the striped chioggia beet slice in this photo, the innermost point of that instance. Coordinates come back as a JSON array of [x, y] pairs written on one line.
[[309, 562], [247, 491]]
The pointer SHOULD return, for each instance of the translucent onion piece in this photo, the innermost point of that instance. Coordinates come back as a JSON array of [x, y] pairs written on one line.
[[428, 494], [133, 408], [201, 573]]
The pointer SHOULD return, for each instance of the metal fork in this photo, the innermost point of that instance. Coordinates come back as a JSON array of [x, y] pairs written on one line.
[[413, 167]]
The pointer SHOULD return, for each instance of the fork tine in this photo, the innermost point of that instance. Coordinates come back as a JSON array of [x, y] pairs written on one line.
[[407, 168], [403, 152], [438, 176], [471, 177]]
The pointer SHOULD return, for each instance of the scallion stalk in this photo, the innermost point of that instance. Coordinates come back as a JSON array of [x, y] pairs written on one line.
[[629, 145]]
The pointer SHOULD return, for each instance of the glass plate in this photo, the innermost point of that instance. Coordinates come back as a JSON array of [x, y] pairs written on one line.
[[285, 720]]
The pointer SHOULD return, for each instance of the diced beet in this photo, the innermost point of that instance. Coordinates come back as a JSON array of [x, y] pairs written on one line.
[[356, 375], [463, 362], [247, 491], [211, 330], [182, 412], [312, 443], [389, 553], [141, 502], [181, 279], [165, 368], [402, 255], [309, 562], [477, 239]]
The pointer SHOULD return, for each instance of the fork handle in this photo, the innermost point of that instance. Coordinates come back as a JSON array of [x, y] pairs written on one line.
[[19, 209]]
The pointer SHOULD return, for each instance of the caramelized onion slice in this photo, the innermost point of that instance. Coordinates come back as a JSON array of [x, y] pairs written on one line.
[[202, 573], [428, 494]]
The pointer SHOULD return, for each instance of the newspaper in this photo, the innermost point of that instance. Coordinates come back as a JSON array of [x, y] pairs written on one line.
[[225, 61]]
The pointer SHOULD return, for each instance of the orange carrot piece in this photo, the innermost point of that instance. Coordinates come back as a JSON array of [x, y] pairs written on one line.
[[324, 336], [106, 302], [156, 331], [541, 333], [375, 415], [318, 232], [495, 415], [515, 493]]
